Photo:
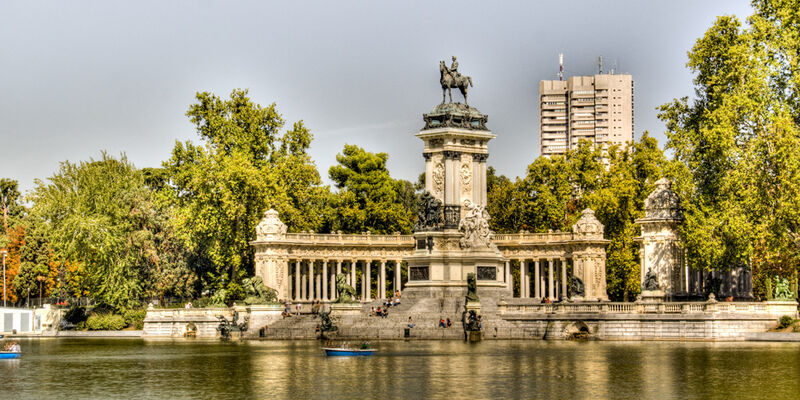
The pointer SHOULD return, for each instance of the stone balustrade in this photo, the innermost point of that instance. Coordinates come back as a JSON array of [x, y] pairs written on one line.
[[774, 308], [342, 238]]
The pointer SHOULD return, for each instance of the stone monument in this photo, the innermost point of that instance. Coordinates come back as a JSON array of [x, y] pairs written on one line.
[[661, 252], [452, 233], [589, 264], [271, 263]]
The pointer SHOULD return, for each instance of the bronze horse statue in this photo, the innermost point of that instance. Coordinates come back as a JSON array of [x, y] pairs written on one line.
[[450, 81]]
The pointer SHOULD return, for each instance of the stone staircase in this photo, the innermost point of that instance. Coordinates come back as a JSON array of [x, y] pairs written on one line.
[[424, 312]]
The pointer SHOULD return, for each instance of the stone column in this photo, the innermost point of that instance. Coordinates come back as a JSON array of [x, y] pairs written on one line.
[[303, 287], [382, 284], [296, 280], [325, 280], [449, 178], [368, 281], [428, 172], [317, 285], [310, 279], [286, 273], [338, 267], [397, 276], [333, 293], [476, 193], [353, 266], [399, 272], [550, 289], [507, 273], [563, 277], [521, 280], [537, 286], [482, 168]]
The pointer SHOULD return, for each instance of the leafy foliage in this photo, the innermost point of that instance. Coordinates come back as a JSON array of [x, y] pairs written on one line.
[[369, 199], [737, 144], [221, 189], [555, 191], [100, 215], [105, 322]]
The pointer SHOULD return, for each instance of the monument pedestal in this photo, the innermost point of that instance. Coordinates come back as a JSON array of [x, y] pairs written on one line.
[[653, 296], [440, 265], [476, 306], [340, 309]]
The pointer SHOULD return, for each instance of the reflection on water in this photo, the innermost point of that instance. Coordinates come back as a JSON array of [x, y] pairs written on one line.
[[97, 368]]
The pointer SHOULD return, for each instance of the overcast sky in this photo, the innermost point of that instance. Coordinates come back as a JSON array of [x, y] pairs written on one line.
[[80, 77]]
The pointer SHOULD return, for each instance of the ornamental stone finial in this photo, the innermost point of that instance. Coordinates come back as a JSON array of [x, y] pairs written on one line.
[[588, 226], [663, 202], [270, 227]]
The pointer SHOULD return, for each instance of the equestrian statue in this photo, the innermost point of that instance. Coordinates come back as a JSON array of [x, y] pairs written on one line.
[[450, 78]]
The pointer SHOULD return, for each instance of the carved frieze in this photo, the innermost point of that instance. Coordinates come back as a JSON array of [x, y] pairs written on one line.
[[438, 179], [466, 177]]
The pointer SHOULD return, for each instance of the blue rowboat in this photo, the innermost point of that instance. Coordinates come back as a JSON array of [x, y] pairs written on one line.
[[341, 351], [8, 354]]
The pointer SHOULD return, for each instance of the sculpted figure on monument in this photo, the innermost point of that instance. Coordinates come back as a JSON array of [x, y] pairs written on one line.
[[346, 292], [782, 291], [576, 287], [472, 322], [650, 280], [257, 292], [450, 78], [326, 326], [475, 227], [430, 215], [472, 288]]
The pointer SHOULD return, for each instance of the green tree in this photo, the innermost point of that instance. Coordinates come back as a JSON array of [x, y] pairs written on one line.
[[369, 199], [11, 210], [618, 200], [736, 142], [220, 189], [502, 202], [99, 214]]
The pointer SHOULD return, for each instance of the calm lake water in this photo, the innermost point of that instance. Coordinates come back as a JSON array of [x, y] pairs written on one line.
[[183, 369]]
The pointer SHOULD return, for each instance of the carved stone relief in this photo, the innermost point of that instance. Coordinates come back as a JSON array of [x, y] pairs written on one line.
[[438, 179]]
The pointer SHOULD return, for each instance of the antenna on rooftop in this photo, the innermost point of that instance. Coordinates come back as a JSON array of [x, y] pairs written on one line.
[[561, 66], [600, 65]]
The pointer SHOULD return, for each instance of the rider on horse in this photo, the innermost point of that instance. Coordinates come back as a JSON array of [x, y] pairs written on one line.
[[454, 69]]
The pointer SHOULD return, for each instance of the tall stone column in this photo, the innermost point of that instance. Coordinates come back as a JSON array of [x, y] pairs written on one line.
[[297, 280], [317, 286], [563, 277], [382, 285], [449, 178], [286, 273], [338, 267], [352, 273], [537, 286], [368, 281], [507, 271], [303, 287], [521, 280], [428, 172], [325, 279], [483, 186], [310, 280], [550, 289], [399, 275]]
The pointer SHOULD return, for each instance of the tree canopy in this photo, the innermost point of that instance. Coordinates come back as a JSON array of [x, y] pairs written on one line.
[[369, 199], [735, 144]]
